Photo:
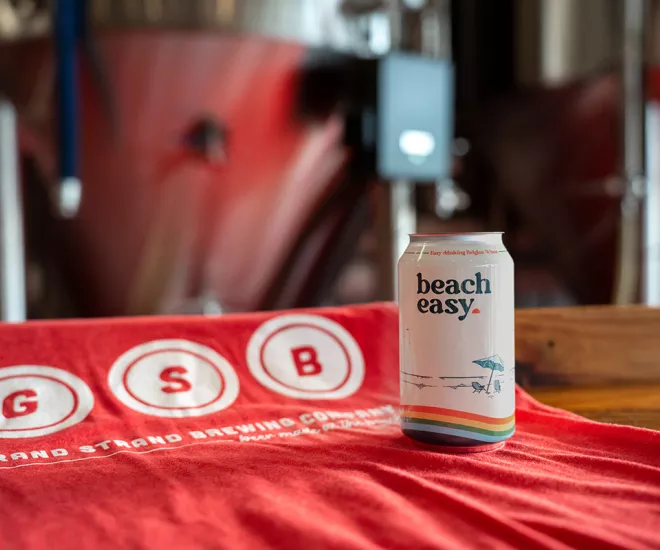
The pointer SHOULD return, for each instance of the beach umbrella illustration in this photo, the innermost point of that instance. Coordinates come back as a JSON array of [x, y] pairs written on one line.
[[494, 363]]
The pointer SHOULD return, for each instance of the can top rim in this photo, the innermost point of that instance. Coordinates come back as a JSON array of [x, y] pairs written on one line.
[[453, 235]]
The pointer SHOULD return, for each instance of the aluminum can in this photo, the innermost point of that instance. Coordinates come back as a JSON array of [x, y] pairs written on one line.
[[456, 336]]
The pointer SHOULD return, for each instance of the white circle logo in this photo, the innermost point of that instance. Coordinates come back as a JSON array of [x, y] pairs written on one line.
[[173, 379], [306, 357], [38, 401]]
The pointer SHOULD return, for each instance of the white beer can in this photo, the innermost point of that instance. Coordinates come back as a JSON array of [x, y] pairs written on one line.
[[456, 335]]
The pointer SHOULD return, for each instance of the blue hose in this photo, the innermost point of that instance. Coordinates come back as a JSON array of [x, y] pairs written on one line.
[[67, 20], [65, 36]]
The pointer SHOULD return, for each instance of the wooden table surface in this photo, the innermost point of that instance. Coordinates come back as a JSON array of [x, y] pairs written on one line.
[[602, 362], [637, 405]]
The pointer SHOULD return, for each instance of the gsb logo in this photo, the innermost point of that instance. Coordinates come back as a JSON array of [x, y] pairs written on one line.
[[37, 400], [173, 379], [306, 357]]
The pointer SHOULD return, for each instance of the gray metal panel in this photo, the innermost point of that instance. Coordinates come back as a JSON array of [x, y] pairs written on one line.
[[416, 95]]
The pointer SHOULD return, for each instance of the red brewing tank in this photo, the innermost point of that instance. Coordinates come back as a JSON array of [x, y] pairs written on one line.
[[131, 247]]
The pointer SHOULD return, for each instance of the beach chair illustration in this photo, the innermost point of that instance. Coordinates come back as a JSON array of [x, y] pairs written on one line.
[[477, 388], [492, 363]]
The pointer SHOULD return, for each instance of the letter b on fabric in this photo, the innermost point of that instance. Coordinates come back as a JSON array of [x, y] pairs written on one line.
[[306, 361], [306, 357]]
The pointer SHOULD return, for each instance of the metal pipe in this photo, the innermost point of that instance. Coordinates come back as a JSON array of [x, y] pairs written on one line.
[[627, 276], [651, 210], [421, 26], [403, 222], [402, 212], [558, 36], [12, 252]]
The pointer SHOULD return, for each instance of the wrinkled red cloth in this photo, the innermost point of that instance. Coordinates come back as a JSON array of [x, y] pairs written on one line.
[[294, 445]]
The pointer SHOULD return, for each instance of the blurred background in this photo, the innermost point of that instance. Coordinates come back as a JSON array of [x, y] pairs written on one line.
[[216, 156]]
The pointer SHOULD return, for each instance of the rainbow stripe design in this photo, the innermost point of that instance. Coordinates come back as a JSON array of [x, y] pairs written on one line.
[[457, 423]]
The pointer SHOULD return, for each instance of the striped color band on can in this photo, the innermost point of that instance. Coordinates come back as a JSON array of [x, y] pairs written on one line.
[[457, 423]]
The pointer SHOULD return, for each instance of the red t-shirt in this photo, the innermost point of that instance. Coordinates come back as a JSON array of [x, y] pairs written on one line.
[[281, 431]]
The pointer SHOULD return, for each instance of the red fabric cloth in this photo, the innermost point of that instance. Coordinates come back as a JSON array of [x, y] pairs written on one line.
[[319, 481]]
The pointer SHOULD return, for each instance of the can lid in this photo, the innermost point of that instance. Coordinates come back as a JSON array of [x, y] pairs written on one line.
[[439, 236]]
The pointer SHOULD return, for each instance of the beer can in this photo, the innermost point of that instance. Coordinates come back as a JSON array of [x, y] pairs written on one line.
[[456, 330]]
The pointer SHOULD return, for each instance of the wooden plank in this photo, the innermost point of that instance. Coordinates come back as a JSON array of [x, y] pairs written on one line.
[[587, 346], [631, 405]]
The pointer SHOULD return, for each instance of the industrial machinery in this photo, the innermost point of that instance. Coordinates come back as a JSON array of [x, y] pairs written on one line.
[[210, 171], [208, 156]]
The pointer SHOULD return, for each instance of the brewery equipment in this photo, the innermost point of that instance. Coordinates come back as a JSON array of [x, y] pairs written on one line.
[[158, 223]]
